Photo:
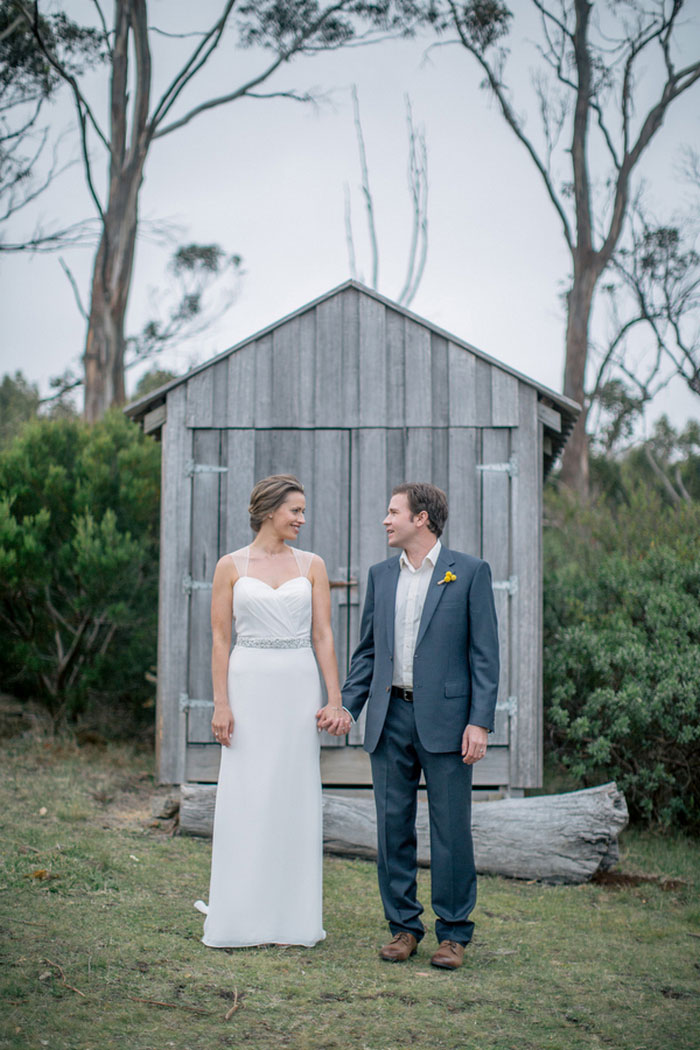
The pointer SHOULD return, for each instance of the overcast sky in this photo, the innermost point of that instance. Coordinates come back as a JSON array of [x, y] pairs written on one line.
[[265, 179]]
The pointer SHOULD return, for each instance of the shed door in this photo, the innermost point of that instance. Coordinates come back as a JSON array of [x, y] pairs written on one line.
[[469, 463], [225, 465], [348, 476]]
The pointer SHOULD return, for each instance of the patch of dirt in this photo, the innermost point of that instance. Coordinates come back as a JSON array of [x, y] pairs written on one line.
[[623, 880]]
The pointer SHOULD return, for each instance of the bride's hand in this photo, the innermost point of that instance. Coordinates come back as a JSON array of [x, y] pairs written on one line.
[[222, 725], [334, 719]]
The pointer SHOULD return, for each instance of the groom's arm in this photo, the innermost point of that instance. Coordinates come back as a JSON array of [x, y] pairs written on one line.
[[483, 649], [359, 679]]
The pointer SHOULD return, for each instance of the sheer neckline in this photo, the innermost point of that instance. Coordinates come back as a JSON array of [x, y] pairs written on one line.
[[302, 559]]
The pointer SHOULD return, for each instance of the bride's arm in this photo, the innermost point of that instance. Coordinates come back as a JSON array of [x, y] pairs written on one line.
[[333, 716], [221, 623]]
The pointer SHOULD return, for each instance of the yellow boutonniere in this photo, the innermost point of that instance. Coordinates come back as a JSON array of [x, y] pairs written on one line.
[[447, 578]]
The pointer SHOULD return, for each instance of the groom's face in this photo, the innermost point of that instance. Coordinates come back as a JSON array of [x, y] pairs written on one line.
[[401, 526]]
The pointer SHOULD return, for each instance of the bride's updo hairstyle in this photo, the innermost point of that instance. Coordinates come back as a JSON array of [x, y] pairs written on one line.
[[268, 495]]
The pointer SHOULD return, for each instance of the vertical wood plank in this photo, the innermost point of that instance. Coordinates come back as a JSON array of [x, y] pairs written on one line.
[[526, 752], [440, 381], [419, 393], [237, 483], [264, 416], [351, 358], [172, 602], [242, 391], [328, 512], [419, 453], [306, 356], [463, 531], [284, 410], [483, 393], [200, 399], [395, 369], [396, 471], [219, 372], [504, 399], [204, 554], [369, 498], [330, 399], [372, 362], [461, 373], [496, 550]]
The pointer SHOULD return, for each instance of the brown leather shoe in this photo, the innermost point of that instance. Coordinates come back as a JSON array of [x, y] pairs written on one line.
[[401, 946], [449, 955]]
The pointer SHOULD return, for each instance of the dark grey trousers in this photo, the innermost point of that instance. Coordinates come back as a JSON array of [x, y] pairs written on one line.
[[396, 768]]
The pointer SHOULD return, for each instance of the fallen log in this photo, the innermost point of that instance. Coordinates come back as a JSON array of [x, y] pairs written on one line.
[[554, 838]]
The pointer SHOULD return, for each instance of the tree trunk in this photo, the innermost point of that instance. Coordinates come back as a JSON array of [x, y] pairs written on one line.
[[574, 467], [556, 838], [106, 342]]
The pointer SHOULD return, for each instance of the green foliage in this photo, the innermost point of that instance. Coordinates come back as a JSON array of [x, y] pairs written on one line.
[[622, 640], [668, 463], [78, 568], [19, 402], [152, 380]]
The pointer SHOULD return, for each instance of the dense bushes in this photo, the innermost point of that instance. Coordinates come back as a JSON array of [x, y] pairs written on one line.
[[78, 569], [622, 649]]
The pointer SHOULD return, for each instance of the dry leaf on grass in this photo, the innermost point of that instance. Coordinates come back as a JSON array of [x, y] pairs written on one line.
[[41, 875]]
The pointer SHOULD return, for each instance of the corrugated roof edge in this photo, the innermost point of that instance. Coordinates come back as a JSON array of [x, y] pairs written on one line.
[[569, 409]]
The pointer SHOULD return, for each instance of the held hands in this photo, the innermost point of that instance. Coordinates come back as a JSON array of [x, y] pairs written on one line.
[[333, 719], [222, 725], [474, 743]]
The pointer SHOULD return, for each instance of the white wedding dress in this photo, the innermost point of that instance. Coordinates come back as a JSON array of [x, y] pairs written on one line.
[[267, 850]]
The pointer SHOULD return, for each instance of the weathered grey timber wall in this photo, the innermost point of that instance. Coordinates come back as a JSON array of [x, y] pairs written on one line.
[[353, 394]]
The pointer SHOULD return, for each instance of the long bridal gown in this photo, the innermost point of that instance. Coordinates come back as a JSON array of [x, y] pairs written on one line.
[[267, 851]]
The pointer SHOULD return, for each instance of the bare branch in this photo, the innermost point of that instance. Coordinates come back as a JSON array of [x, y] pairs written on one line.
[[103, 23], [74, 285], [194, 63], [349, 240], [418, 188], [366, 192], [513, 122]]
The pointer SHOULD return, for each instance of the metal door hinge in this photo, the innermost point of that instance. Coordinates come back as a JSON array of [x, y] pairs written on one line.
[[187, 703], [511, 467], [189, 585], [510, 705], [202, 468], [510, 585]]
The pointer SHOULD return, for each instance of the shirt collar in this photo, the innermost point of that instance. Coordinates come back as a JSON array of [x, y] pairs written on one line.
[[432, 557]]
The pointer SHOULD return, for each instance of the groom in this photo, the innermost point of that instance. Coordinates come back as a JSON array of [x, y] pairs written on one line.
[[427, 667]]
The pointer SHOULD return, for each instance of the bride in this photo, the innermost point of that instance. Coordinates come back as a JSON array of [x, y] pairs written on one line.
[[267, 850]]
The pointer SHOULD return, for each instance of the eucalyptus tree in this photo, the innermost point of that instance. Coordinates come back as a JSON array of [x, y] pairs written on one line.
[[139, 118], [606, 77]]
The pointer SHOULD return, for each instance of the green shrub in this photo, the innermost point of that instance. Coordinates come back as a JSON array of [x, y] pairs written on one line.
[[79, 508], [622, 650]]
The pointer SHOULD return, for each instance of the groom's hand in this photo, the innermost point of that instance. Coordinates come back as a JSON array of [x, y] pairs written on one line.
[[335, 720], [474, 742]]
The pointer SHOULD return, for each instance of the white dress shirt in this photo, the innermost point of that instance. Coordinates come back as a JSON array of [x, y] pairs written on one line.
[[411, 592]]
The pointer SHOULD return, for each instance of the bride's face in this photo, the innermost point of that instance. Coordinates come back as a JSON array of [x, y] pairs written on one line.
[[289, 516]]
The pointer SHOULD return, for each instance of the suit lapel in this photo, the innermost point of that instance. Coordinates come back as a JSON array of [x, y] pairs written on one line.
[[434, 594], [389, 596]]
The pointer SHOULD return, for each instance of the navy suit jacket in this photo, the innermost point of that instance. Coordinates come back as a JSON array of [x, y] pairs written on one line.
[[455, 667]]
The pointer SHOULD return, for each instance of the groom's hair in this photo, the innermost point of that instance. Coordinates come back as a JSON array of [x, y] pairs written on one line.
[[421, 495]]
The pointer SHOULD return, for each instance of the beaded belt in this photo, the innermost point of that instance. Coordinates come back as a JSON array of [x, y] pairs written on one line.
[[246, 642]]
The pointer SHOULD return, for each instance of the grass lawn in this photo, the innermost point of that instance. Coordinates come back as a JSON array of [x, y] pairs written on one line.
[[101, 949]]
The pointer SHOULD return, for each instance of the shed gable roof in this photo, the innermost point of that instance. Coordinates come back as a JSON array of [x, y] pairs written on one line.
[[357, 320]]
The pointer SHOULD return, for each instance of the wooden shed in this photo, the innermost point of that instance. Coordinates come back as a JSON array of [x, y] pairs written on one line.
[[353, 394]]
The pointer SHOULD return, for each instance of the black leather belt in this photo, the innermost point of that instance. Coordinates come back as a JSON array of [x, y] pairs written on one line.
[[400, 693]]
